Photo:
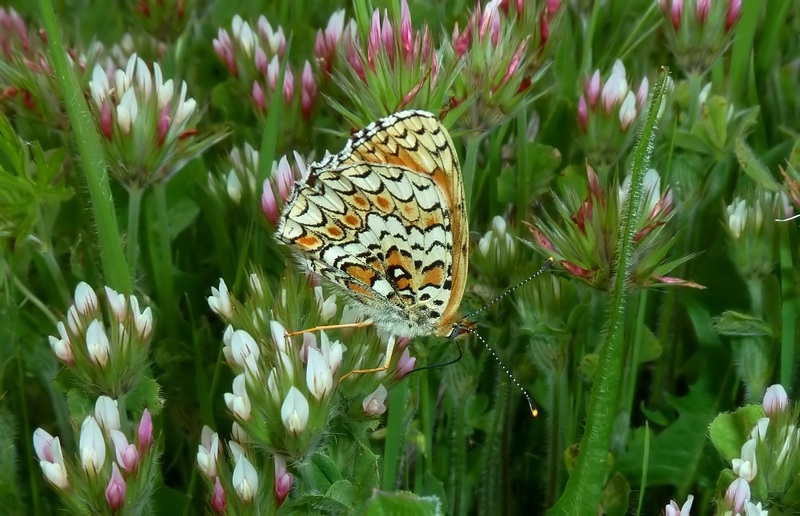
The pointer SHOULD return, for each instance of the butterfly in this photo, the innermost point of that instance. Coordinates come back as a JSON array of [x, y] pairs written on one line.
[[385, 221]]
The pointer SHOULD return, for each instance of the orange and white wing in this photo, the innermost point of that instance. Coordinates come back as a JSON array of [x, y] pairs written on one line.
[[417, 141], [385, 220]]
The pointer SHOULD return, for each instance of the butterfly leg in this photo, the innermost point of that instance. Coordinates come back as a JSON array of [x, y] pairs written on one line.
[[387, 361], [361, 324]]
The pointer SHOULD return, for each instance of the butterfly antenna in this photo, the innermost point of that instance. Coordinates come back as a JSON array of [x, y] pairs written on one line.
[[788, 219], [547, 265], [531, 404], [443, 364]]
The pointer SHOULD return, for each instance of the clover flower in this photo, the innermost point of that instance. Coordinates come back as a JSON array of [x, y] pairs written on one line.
[[148, 123], [99, 477], [607, 111], [105, 350], [582, 236]]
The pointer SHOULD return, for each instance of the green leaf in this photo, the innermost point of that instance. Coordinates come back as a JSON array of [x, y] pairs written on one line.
[[753, 167], [326, 472], [588, 365], [407, 504], [313, 504], [145, 394], [676, 453], [434, 488], [730, 430], [343, 492], [690, 141], [616, 496], [651, 347], [506, 186], [737, 324], [79, 404], [715, 121], [794, 156], [182, 213]]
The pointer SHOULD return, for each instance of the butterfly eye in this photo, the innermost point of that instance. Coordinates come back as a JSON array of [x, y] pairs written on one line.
[[455, 332]]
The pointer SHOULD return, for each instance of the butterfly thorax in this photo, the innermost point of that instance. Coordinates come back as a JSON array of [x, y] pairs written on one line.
[[413, 321]]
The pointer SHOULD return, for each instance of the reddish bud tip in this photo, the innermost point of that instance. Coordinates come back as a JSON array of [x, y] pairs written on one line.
[[258, 96], [106, 120], [734, 10], [583, 113], [676, 12]]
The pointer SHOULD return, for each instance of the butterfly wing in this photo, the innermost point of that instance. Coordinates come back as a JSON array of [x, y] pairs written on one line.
[[385, 220], [417, 141]]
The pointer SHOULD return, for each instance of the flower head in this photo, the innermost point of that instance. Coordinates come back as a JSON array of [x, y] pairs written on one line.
[[116, 490], [92, 446], [283, 480], [583, 236], [775, 400], [606, 114], [698, 31], [245, 479], [149, 132], [737, 495], [393, 66], [278, 187], [674, 510], [294, 411], [373, 404], [746, 466], [502, 53], [752, 229], [51, 459], [327, 43], [208, 453]]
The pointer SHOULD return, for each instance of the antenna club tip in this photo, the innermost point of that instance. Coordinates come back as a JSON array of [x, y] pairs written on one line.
[[534, 409]]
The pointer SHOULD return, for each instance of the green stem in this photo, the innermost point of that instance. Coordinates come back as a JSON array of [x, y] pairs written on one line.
[[395, 431], [122, 408], [789, 308], [582, 493], [490, 497], [755, 288], [523, 166], [635, 36], [269, 140], [470, 169], [92, 157], [588, 37], [557, 420], [695, 80], [22, 387], [426, 415], [742, 52], [162, 262], [64, 292], [459, 473], [638, 339], [134, 208], [30, 296]]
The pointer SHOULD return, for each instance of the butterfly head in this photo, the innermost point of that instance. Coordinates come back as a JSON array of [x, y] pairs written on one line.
[[460, 328]]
